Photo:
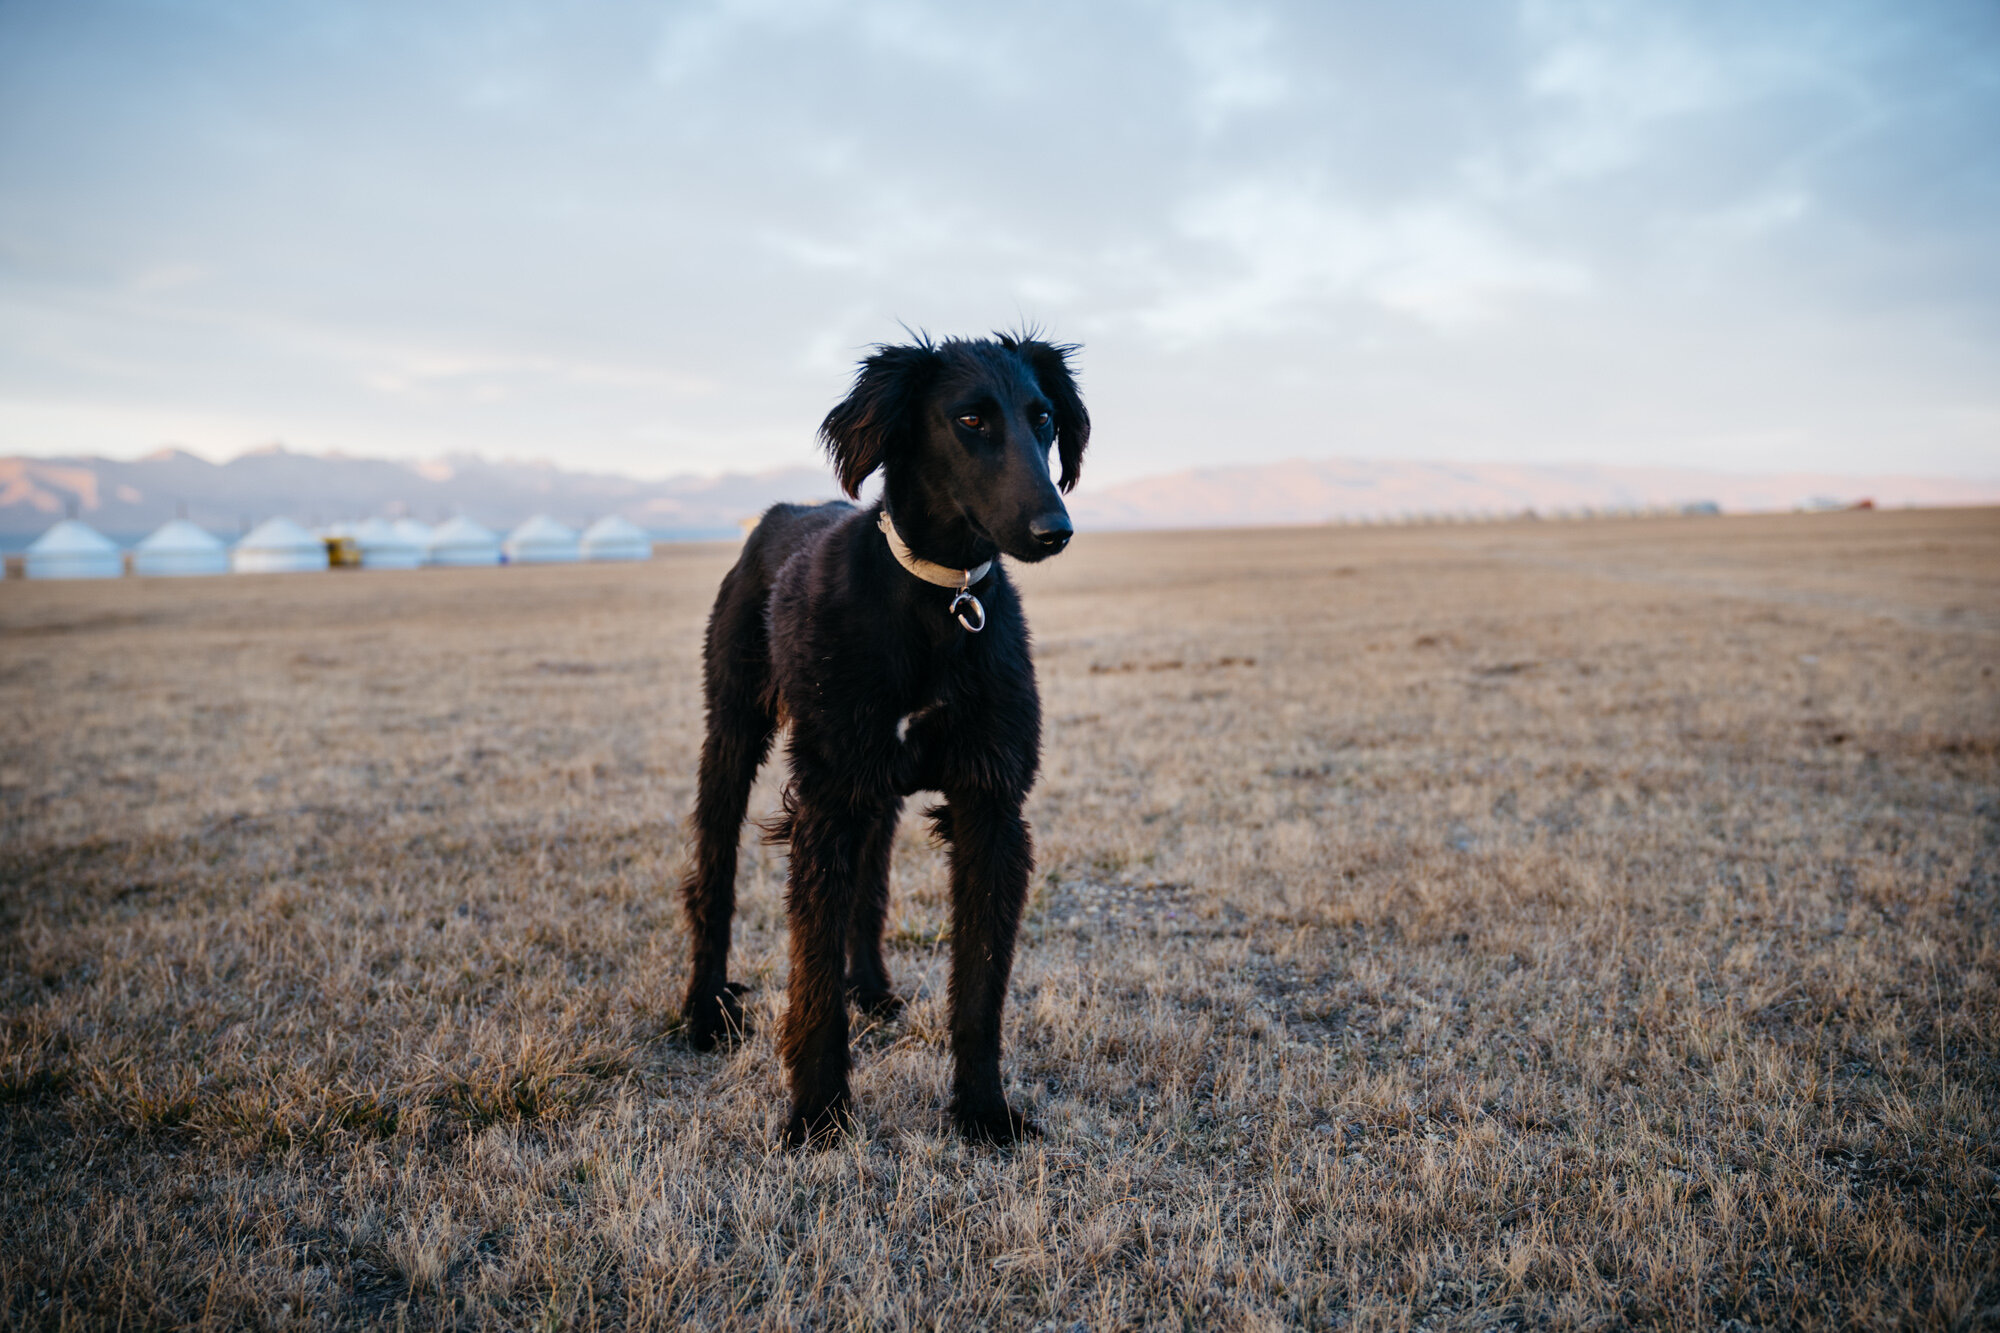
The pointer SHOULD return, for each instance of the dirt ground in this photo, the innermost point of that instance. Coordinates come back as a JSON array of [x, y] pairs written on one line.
[[1526, 925]]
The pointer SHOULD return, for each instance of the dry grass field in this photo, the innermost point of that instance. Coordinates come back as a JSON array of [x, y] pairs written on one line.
[[1563, 925]]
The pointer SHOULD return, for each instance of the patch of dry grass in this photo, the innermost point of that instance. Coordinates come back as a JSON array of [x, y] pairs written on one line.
[[1563, 926]]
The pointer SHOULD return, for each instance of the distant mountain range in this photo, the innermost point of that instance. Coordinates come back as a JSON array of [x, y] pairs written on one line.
[[1334, 490], [126, 499]]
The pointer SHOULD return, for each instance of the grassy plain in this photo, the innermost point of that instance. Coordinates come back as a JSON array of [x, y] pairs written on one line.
[[1571, 925]]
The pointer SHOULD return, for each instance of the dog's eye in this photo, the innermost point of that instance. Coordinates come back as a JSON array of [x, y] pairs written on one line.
[[1040, 419], [972, 421]]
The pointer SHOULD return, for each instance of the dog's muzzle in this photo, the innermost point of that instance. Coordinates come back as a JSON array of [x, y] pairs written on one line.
[[1051, 531]]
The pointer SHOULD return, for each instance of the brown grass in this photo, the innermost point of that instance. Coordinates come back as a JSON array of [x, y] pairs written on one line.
[[1574, 925]]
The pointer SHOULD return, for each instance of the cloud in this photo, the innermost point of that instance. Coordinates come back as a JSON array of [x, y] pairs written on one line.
[[703, 39], [1228, 51], [1608, 76], [490, 377], [166, 277], [1290, 256]]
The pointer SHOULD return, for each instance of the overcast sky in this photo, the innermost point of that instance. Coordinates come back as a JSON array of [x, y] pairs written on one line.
[[655, 237]]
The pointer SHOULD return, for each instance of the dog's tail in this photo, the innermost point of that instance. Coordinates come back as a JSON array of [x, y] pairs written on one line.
[[777, 826]]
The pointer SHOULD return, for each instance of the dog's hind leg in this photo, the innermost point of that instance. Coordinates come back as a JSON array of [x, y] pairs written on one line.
[[740, 726], [867, 974]]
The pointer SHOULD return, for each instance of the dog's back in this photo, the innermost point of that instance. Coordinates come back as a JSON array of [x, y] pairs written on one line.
[[783, 531]]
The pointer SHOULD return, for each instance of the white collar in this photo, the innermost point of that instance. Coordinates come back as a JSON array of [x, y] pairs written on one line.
[[944, 576]]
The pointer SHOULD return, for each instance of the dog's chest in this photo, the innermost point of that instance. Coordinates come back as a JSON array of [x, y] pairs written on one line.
[[914, 716]]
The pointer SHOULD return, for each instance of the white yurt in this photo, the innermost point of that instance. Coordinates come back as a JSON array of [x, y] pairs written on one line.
[[416, 534], [180, 548], [612, 538], [382, 547], [278, 546], [541, 541], [73, 550], [460, 541]]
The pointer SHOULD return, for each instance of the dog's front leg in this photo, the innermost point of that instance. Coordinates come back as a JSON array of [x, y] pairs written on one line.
[[867, 972], [829, 845], [991, 860]]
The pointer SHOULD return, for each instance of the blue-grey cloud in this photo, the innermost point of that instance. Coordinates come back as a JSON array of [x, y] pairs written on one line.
[[654, 236]]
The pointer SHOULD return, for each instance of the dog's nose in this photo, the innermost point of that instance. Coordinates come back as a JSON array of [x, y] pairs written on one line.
[[1051, 531]]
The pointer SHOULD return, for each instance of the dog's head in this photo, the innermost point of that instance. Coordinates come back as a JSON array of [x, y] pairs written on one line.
[[963, 431]]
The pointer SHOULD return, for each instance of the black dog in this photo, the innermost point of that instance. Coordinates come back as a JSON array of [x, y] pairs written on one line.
[[897, 652]]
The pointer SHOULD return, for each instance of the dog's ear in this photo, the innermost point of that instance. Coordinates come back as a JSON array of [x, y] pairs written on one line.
[[1050, 362], [876, 417]]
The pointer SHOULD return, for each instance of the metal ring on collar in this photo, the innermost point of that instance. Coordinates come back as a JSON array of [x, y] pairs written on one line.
[[965, 598]]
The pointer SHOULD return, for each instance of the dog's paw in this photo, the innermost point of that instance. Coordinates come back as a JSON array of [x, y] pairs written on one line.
[[716, 1017], [816, 1129], [1000, 1126]]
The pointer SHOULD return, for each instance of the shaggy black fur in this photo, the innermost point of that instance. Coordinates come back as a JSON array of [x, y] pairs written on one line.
[[886, 694]]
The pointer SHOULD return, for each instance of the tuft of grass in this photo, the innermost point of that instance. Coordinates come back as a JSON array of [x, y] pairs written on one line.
[[34, 1062], [538, 1084]]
